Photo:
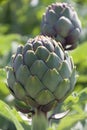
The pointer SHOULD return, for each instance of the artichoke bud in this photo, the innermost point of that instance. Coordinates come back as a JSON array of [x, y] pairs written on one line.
[[60, 21], [42, 74]]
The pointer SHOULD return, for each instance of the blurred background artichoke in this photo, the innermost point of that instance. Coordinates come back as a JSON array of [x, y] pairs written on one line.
[[62, 23]]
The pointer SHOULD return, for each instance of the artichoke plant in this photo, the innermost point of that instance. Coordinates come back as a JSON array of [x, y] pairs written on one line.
[[62, 23], [42, 74]]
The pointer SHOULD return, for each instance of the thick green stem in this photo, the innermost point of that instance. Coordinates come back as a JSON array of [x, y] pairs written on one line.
[[39, 121]]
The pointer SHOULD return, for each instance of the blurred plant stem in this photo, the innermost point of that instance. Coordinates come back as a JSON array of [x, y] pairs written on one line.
[[39, 121]]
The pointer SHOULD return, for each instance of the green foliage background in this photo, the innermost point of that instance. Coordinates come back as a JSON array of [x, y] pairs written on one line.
[[19, 20]]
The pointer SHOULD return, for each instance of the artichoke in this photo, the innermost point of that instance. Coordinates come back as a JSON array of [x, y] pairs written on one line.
[[62, 23], [42, 74]]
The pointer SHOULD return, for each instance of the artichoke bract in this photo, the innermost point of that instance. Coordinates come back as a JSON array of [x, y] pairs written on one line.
[[62, 23], [42, 74]]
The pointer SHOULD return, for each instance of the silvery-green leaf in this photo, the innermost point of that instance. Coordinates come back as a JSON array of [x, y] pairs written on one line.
[[59, 115]]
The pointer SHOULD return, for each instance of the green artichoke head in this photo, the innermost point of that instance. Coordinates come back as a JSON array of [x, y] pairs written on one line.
[[62, 23], [42, 74]]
